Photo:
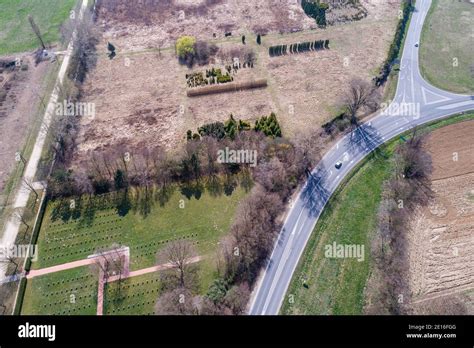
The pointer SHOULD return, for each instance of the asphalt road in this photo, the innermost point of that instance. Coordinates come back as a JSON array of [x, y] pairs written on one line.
[[416, 102]]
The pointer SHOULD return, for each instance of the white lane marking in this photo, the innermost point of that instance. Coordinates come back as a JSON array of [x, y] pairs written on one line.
[[284, 256], [452, 106]]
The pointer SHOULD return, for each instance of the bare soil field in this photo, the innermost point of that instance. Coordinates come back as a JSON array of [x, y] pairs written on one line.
[[19, 98], [442, 235], [140, 95]]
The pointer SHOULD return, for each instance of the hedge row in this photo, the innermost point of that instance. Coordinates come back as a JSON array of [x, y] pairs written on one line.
[[228, 87], [394, 51], [280, 50]]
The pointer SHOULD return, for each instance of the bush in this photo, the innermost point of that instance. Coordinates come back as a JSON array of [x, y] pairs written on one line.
[[185, 46], [231, 127], [203, 51], [316, 10], [268, 126], [214, 130]]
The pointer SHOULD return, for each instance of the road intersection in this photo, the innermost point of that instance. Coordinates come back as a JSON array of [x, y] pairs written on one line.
[[416, 102]]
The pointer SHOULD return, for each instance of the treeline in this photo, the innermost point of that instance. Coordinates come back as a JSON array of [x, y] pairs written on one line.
[[63, 129], [280, 50], [395, 47], [252, 236], [119, 168], [269, 126], [408, 188]]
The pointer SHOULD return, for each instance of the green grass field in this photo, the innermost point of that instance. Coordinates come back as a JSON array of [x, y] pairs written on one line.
[[336, 286], [15, 31], [446, 41]]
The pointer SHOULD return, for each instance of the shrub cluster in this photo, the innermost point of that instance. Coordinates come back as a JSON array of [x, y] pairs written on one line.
[[192, 52], [268, 125], [315, 9]]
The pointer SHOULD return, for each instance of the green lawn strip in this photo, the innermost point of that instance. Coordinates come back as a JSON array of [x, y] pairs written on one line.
[[16, 34], [70, 292], [446, 39], [336, 286]]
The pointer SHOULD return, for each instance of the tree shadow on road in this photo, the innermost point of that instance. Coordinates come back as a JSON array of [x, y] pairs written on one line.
[[364, 138], [314, 195]]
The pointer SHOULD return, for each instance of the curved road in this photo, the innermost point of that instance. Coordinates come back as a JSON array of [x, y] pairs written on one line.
[[416, 102]]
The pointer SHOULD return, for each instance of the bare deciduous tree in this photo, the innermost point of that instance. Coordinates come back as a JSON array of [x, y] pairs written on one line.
[[179, 254], [361, 96], [30, 186]]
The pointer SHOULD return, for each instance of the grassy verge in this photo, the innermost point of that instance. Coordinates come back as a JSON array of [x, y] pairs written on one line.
[[446, 46], [16, 33], [336, 286]]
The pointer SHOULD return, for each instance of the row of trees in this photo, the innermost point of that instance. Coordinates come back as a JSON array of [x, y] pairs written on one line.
[[395, 47], [408, 188], [267, 125], [63, 129], [120, 167], [246, 250], [242, 253]]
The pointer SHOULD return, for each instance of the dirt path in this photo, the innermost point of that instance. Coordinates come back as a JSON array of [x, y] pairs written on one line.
[[58, 268], [92, 260], [152, 269]]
